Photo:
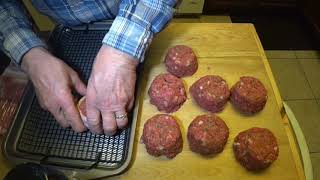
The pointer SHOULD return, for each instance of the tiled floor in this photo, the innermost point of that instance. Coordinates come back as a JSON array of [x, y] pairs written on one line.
[[307, 113], [291, 79], [297, 73], [298, 77], [315, 158], [311, 67]]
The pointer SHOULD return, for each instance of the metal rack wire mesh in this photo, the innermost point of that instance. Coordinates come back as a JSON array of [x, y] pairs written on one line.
[[42, 135]]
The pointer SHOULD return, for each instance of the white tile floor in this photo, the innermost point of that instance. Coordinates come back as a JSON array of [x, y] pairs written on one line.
[[298, 77], [291, 79]]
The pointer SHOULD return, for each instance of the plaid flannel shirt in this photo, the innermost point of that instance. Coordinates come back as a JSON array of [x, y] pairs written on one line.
[[135, 22]]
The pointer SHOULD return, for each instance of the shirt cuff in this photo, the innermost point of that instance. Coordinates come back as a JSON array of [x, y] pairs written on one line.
[[19, 42], [128, 37]]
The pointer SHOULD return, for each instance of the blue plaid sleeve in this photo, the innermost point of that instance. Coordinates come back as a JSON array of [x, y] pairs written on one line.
[[16, 35], [136, 24]]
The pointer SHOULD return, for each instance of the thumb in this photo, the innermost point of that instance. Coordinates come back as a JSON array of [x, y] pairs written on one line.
[[78, 84]]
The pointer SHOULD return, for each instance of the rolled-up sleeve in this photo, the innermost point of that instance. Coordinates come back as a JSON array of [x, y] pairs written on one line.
[[16, 34], [136, 24]]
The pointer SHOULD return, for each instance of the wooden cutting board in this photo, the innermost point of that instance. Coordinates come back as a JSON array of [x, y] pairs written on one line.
[[230, 51]]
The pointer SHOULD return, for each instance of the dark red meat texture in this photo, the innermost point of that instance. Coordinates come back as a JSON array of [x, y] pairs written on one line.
[[12, 88], [162, 136], [11, 91], [181, 61], [207, 134], [249, 95], [211, 93], [7, 112], [167, 93], [256, 148]]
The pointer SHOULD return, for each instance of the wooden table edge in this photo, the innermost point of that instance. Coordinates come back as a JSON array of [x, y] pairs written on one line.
[[289, 131]]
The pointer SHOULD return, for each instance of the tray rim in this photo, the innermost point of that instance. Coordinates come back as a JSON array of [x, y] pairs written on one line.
[[24, 106]]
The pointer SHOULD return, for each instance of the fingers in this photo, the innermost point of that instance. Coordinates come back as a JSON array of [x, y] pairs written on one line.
[[121, 118], [55, 109], [93, 118], [78, 84], [59, 116], [71, 114], [131, 104], [64, 110], [109, 123]]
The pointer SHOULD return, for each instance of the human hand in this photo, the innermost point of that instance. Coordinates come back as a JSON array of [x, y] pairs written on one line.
[[53, 81], [110, 92]]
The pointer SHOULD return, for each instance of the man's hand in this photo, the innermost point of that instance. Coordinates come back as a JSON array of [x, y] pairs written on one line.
[[53, 81], [110, 90]]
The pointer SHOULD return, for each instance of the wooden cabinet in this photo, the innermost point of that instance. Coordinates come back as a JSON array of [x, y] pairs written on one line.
[[311, 11], [190, 7], [277, 3], [228, 4]]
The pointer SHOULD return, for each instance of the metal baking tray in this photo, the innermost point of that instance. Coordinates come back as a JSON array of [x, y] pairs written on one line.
[[35, 136]]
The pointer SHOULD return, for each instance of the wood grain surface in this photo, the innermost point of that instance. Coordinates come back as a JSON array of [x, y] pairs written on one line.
[[231, 51]]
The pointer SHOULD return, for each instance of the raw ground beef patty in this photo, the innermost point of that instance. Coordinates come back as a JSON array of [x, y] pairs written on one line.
[[207, 134], [181, 61], [167, 93], [249, 95], [256, 148], [210, 92], [162, 136]]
